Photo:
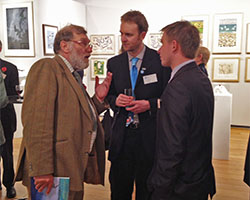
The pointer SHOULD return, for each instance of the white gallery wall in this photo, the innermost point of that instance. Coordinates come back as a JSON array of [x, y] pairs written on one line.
[[103, 17], [51, 12]]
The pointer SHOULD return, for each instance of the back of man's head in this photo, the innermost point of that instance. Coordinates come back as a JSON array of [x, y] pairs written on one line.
[[186, 35], [136, 17], [66, 34], [205, 54]]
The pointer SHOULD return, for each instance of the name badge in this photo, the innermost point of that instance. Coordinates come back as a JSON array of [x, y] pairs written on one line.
[[152, 78]]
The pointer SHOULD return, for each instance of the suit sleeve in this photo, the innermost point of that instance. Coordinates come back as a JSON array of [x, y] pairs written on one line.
[[112, 94], [14, 81], [164, 78], [171, 140], [38, 115]]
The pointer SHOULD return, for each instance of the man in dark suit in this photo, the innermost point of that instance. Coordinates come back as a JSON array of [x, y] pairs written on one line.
[[183, 161], [8, 119], [132, 143]]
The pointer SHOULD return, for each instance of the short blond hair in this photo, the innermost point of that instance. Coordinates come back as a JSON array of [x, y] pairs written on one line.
[[205, 54]]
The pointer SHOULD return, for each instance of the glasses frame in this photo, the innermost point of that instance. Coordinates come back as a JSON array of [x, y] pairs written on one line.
[[81, 43]]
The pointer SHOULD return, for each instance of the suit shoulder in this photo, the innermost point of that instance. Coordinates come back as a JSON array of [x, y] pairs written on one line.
[[8, 64], [44, 64], [117, 58]]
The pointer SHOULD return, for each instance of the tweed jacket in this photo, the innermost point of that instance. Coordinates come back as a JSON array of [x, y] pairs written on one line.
[[58, 128]]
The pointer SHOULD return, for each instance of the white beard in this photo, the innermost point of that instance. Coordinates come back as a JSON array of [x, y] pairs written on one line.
[[77, 62]]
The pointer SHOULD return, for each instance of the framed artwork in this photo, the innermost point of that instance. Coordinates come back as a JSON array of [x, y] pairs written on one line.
[[120, 50], [248, 39], [247, 73], [103, 44], [226, 69], [227, 33], [154, 40], [201, 23], [98, 67], [18, 29], [49, 34]]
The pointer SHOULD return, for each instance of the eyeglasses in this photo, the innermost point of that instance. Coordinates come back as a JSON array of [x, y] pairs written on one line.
[[82, 43]]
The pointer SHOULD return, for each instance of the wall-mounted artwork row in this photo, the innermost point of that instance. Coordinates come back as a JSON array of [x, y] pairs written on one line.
[[18, 29]]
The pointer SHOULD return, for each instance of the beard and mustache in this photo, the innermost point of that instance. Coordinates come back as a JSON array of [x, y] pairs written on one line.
[[77, 60]]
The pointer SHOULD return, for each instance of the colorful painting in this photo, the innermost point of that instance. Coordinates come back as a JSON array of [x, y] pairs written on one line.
[[227, 33], [98, 67], [201, 23]]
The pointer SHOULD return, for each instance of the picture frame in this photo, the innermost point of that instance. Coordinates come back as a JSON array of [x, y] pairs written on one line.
[[248, 39], [119, 44], [227, 33], [201, 22], [247, 72], [49, 34], [226, 69], [103, 44], [18, 30], [98, 67], [154, 40]]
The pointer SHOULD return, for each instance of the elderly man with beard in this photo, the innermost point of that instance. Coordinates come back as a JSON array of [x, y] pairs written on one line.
[[62, 134]]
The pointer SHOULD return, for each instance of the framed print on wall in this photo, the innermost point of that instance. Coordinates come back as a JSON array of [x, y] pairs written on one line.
[[247, 73], [227, 33], [154, 40], [103, 44], [49, 34], [98, 67], [226, 69], [248, 39], [201, 23], [18, 29]]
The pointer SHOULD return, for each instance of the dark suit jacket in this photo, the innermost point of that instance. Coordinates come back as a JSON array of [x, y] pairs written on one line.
[[183, 168], [11, 80], [247, 165], [119, 66]]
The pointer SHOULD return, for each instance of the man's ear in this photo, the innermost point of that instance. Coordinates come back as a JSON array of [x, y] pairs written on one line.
[[142, 35], [64, 46], [175, 46]]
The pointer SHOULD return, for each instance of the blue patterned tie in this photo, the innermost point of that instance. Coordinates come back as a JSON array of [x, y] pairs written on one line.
[[133, 77], [133, 74]]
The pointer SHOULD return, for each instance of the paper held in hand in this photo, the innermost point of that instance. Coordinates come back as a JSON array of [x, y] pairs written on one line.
[[59, 191]]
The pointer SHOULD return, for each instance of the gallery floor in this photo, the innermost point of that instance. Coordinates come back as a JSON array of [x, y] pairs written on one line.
[[229, 173]]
